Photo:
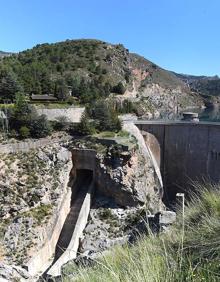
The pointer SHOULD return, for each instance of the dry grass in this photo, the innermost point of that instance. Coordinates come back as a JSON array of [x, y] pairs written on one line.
[[164, 258]]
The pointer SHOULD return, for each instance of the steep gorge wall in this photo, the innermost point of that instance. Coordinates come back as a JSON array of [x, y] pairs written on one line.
[[41, 259], [37, 200]]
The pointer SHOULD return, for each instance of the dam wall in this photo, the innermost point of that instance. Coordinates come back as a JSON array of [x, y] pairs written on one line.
[[186, 152]]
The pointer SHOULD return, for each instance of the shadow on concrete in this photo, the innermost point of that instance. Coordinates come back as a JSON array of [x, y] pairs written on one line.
[[79, 191]]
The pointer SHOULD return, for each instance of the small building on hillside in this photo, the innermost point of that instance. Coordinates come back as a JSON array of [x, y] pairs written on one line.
[[43, 98]]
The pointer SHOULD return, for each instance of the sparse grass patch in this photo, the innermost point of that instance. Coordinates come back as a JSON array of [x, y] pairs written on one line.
[[39, 213]]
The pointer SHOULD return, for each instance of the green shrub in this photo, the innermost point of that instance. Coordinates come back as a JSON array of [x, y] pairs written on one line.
[[123, 133], [71, 100], [85, 127], [24, 132], [119, 88], [105, 115], [61, 123], [13, 133], [40, 127]]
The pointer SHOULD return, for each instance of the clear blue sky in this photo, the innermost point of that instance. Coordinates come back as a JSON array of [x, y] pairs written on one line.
[[180, 35]]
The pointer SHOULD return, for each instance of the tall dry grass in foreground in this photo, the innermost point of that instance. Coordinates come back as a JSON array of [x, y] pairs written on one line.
[[164, 258]]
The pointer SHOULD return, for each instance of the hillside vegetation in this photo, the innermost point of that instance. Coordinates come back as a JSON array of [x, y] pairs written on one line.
[[89, 69], [188, 252], [204, 85], [4, 54]]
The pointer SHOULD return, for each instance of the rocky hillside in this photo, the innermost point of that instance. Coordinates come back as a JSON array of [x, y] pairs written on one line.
[[204, 85], [90, 69], [31, 186]]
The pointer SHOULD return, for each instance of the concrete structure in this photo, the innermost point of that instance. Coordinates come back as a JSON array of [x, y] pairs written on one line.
[[2, 115], [189, 116], [146, 150], [73, 114], [185, 152], [81, 221], [43, 98], [84, 163], [25, 146], [84, 159]]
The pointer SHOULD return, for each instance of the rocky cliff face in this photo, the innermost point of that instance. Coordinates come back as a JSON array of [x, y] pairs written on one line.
[[123, 172], [157, 91], [127, 189], [32, 185], [109, 224], [128, 179]]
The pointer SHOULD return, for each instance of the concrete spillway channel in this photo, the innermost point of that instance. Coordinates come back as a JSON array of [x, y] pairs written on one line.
[[68, 242]]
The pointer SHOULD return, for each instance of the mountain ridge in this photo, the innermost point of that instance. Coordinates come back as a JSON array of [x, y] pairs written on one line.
[[203, 85], [93, 69]]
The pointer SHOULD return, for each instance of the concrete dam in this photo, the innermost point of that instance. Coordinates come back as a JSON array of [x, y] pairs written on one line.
[[184, 151]]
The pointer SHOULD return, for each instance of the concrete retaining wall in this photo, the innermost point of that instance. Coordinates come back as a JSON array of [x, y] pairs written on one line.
[[25, 146], [72, 114], [72, 248]]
